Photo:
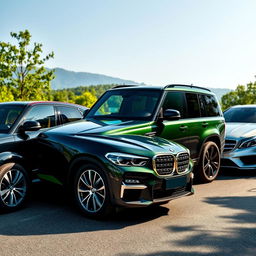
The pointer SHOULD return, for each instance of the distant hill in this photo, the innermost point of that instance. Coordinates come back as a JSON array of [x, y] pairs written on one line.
[[70, 79]]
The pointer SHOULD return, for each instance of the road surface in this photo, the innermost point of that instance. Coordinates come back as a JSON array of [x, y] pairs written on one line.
[[220, 219]]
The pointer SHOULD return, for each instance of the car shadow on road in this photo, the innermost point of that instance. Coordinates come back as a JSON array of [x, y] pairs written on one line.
[[49, 212], [237, 237], [236, 174]]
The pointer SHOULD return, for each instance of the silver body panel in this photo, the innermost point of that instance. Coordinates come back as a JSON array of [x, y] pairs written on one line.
[[233, 156]]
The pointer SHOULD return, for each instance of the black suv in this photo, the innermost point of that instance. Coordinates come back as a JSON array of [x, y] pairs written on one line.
[[186, 114]]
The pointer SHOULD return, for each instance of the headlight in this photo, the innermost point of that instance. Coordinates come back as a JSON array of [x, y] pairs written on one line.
[[248, 143], [126, 159]]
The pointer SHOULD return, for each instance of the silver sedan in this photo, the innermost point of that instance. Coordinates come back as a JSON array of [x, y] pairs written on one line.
[[240, 144]]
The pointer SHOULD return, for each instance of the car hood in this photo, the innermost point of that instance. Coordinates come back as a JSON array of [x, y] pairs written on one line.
[[93, 134], [137, 142], [97, 127], [240, 130]]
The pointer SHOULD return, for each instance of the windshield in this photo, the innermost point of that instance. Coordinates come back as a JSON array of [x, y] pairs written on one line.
[[8, 116], [126, 105], [240, 115]]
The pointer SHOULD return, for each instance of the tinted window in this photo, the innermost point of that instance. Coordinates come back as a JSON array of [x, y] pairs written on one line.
[[193, 109], [69, 114], [241, 115], [175, 100], [8, 116], [43, 114], [111, 106], [126, 104], [209, 105]]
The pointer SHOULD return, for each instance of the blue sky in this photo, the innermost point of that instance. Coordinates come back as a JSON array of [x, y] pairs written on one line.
[[205, 42]]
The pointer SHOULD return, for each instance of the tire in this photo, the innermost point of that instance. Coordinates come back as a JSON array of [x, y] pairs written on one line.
[[14, 187], [91, 191], [209, 164]]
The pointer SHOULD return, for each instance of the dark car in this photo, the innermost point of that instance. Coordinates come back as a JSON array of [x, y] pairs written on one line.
[[240, 146], [99, 171], [15, 117], [185, 114]]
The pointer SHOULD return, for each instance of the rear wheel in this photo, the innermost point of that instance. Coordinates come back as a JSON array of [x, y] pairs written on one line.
[[91, 191], [209, 165], [14, 185]]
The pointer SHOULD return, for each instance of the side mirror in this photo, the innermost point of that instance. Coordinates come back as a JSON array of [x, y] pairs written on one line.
[[171, 114], [30, 126], [86, 112]]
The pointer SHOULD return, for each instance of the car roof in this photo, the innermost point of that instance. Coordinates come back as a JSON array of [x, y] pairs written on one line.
[[170, 87], [30, 103]]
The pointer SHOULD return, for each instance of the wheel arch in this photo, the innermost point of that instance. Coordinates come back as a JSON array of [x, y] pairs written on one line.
[[78, 161], [9, 157], [214, 138]]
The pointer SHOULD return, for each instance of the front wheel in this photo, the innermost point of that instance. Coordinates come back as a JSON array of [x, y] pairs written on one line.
[[14, 185], [91, 191], [209, 164]]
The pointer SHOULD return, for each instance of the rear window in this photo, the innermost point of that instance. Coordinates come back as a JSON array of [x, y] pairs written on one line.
[[209, 106], [69, 114]]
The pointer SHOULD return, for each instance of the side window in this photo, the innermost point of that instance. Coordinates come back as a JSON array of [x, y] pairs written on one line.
[[175, 100], [193, 105], [69, 114], [211, 107], [43, 114]]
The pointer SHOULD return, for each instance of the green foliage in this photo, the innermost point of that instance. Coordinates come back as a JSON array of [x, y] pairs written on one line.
[[242, 95], [22, 70], [63, 96], [83, 95], [5, 94], [87, 99]]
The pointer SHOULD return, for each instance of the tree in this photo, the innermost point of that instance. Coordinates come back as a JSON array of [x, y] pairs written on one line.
[[86, 99], [22, 70], [63, 95], [6, 94], [242, 95]]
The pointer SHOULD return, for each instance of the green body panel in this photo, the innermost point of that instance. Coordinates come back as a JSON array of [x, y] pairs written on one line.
[[191, 137]]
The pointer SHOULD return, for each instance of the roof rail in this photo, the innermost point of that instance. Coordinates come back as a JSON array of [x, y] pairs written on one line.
[[184, 85], [124, 85]]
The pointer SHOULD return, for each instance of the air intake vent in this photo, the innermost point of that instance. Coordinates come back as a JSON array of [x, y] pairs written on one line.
[[229, 145]]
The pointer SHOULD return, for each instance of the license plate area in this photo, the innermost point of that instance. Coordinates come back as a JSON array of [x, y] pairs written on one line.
[[175, 182]]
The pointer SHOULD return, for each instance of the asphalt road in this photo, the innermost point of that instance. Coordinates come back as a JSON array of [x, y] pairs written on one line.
[[220, 219]]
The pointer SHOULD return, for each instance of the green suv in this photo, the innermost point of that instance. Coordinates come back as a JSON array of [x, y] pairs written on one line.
[[189, 115]]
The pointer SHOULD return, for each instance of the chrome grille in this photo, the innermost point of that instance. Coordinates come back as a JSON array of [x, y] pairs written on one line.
[[182, 162], [229, 145], [164, 164]]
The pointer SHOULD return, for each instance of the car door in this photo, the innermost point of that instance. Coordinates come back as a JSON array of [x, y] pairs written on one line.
[[185, 130], [27, 143]]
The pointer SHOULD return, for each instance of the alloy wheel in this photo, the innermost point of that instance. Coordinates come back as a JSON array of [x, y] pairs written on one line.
[[91, 191], [211, 162], [13, 188]]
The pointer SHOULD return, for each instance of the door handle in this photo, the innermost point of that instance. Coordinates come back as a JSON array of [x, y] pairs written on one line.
[[205, 124], [183, 128]]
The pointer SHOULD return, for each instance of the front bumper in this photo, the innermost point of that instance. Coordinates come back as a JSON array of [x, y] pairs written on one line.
[[241, 159], [153, 190]]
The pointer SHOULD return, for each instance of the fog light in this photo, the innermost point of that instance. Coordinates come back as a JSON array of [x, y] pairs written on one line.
[[131, 181]]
